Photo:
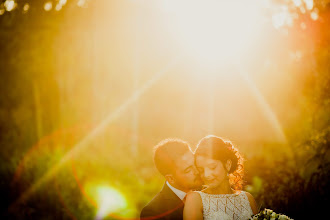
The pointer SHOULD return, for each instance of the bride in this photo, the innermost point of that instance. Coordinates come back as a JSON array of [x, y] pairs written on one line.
[[220, 166]]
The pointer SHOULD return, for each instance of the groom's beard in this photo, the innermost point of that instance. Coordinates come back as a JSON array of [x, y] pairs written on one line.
[[198, 188], [199, 184]]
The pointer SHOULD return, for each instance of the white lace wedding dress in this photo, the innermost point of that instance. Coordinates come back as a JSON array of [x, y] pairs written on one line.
[[226, 206]]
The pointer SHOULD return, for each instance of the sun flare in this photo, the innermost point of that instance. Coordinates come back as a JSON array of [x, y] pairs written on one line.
[[213, 31], [107, 199]]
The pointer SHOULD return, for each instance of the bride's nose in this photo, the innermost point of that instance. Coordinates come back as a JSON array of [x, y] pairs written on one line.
[[208, 174]]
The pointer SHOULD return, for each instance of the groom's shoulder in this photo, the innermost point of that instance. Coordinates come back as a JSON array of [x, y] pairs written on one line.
[[155, 200], [153, 206]]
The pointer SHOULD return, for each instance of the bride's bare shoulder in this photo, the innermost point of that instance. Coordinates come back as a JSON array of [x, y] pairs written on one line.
[[253, 203], [193, 207], [194, 198]]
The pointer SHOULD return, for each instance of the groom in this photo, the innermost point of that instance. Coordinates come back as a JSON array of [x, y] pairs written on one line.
[[175, 161]]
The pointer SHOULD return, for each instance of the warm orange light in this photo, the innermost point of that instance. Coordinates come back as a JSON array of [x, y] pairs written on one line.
[[108, 199], [314, 15], [309, 4], [81, 3], [48, 6], [297, 3], [10, 5], [26, 7], [213, 31]]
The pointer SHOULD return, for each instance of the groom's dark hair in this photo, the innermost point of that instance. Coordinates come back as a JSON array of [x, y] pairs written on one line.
[[167, 151]]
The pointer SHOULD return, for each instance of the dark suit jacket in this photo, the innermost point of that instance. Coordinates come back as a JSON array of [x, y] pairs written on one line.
[[166, 205]]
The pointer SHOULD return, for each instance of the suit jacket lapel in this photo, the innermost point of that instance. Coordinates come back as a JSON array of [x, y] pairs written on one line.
[[172, 202], [169, 194]]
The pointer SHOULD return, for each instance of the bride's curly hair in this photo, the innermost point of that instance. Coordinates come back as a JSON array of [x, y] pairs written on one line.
[[223, 150]]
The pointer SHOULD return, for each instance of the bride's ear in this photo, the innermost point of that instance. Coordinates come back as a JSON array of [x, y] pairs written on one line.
[[228, 165], [170, 178]]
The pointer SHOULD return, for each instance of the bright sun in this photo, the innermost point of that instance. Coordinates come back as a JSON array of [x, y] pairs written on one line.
[[213, 31], [107, 199]]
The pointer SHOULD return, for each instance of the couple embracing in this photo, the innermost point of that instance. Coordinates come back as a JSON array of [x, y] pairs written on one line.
[[205, 184]]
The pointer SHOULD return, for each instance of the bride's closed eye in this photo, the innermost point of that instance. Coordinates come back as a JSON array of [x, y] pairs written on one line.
[[212, 166], [187, 170]]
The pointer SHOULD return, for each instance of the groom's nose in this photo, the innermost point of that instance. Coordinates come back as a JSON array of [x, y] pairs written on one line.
[[195, 171]]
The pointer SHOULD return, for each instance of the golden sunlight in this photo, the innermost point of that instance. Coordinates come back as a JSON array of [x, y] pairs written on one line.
[[297, 3], [58, 7], [213, 31], [48, 6], [314, 15], [280, 19], [309, 4], [26, 7], [10, 5], [60, 4], [107, 199], [81, 3], [90, 87]]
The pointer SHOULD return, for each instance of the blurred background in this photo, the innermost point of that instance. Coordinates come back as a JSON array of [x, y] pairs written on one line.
[[89, 87]]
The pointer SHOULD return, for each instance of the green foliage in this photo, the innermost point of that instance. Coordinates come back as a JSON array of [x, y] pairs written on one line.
[[289, 185]]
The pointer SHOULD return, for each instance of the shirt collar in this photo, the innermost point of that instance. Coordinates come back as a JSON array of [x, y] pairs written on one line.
[[177, 192]]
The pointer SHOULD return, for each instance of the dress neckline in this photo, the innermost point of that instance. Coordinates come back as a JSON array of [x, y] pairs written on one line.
[[224, 195]]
